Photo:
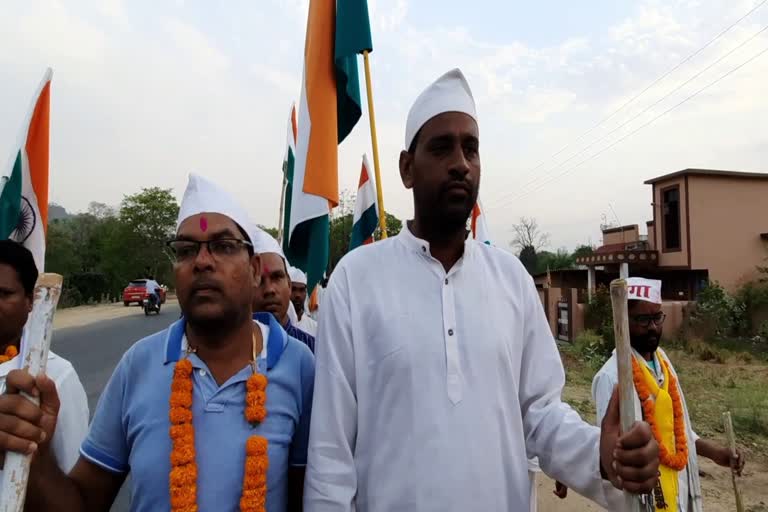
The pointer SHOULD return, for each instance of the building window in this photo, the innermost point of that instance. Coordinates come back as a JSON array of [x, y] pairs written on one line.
[[670, 205]]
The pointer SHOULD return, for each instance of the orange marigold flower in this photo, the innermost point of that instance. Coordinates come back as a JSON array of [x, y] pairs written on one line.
[[182, 455], [182, 385], [179, 415], [256, 464], [256, 445], [184, 433], [183, 476], [181, 399], [255, 414], [183, 367], [183, 497], [11, 351], [677, 459]]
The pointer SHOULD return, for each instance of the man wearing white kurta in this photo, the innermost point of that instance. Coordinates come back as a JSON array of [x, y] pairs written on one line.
[[437, 376], [299, 300], [645, 326], [18, 275]]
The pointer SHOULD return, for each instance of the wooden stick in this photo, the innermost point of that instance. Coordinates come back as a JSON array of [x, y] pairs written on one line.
[[375, 147], [728, 423], [624, 363], [35, 343]]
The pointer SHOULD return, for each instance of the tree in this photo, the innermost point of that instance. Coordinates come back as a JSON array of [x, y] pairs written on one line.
[[271, 231], [529, 258], [559, 260], [341, 228], [394, 226], [582, 251], [100, 210], [151, 217], [528, 234]]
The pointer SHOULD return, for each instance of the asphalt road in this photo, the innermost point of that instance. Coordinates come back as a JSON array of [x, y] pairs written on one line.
[[95, 350]]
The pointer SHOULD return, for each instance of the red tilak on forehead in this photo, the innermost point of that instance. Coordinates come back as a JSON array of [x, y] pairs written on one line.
[[204, 224], [266, 269]]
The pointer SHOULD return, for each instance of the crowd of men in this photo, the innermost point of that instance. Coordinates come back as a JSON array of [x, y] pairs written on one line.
[[429, 381]]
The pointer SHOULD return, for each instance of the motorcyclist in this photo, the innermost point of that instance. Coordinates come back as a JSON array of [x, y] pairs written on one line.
[[153, 291]]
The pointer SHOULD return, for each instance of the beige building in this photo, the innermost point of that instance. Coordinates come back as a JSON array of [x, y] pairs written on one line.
[[707, 226]]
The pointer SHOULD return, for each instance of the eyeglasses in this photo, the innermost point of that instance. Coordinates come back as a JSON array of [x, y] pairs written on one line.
[[645, 320], [220, 249]]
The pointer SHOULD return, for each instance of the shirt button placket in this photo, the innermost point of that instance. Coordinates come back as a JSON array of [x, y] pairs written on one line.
[[453, 369]]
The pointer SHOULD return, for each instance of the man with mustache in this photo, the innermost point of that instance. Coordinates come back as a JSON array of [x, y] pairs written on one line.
[[659, 400], [210, 414], [299, 300], [438, 376], [273, 295]]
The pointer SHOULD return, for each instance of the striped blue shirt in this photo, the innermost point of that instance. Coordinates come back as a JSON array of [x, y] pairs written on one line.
[[300, 335]]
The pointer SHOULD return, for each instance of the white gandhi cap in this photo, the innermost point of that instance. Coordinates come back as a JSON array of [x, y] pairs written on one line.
[[204, 196], [449, 93], [648, 290]]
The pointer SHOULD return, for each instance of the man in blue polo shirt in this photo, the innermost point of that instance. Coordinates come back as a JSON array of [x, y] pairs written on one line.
[[222, 348], [274, 293]]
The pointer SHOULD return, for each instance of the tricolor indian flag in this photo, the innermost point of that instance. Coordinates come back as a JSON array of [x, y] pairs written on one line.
[[366, 215], [288, 169], [24, 185], [480, 231], [337, 30]]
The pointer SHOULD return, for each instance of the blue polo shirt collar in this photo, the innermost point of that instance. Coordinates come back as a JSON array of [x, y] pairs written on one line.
[[276, 342]]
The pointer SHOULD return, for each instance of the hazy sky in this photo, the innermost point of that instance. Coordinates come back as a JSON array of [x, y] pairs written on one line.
[[146, 91]]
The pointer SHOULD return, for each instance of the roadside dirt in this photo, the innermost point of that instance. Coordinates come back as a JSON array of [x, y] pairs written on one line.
[[84, 315], [716, 484]]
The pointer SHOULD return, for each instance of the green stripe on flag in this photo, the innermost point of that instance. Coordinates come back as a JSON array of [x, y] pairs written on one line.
[[353, 36], [311, 234], [10, 201], [364, 228]]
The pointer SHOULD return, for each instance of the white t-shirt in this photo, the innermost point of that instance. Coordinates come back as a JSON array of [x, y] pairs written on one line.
[[72, 423], [152, 285]]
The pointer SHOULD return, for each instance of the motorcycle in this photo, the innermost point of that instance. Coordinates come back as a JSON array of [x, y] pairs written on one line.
[[151, 304]]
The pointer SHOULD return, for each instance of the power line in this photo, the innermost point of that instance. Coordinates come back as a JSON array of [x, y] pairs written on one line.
[[670, 109], [646, 109], [647, 88]]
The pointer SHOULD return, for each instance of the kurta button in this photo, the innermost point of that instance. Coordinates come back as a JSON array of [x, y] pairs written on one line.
[[202, 373], [423, 249], [450, 332], [446, 280]]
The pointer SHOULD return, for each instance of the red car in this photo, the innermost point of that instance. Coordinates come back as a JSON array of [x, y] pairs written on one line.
[[136, 291]]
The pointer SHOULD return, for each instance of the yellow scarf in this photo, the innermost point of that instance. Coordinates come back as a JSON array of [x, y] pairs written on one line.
[[665, 419]]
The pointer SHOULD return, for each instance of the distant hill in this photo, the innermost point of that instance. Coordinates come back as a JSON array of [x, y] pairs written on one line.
[[56, 212]]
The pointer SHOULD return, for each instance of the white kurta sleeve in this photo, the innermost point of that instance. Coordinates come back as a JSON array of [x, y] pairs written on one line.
[[567, 447], [331, 478], [602, 389], [72, 422]]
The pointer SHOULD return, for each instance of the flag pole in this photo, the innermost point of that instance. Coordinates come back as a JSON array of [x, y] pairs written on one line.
[[375, 146]]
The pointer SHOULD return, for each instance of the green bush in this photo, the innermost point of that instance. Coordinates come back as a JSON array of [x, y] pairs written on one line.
[[598, 317], [717, 313], [592, 348]]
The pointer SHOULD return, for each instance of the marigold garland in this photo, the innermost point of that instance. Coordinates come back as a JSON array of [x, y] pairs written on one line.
[[10, 352], [677, 459], [183, 475]]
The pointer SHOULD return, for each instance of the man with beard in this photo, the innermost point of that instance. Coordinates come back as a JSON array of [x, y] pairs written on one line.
[[210, 414], [299, 300], [659, 400], [438, 377], [273, 295]]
